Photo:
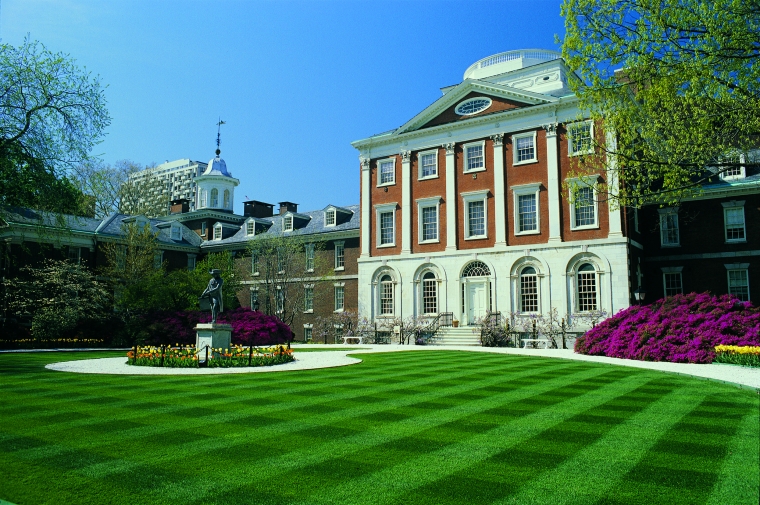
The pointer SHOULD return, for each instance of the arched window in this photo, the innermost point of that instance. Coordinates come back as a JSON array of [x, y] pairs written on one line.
[[528, 290], [429, 294], [476, 269], [586, 292], [226, 198], [203, 198], [214, 198], [386, 295]]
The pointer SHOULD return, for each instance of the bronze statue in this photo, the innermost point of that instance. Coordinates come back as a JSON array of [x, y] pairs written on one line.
[[214, 293]]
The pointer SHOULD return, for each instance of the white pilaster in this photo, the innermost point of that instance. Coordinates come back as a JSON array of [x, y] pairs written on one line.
[[499, 190], [554, 189], [451, 198], [616, 221], [406, 203], [366, 209]]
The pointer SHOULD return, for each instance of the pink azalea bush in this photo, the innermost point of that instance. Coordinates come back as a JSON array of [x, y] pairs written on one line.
[[248, 327], [679, 329]]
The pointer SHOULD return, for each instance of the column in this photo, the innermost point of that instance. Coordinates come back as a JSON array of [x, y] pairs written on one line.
[[613, 206], [365, 208], [451, 198], [555, 189], [499, 190], [406, 203]]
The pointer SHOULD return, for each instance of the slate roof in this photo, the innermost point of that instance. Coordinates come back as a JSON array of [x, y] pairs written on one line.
[[314, 227]]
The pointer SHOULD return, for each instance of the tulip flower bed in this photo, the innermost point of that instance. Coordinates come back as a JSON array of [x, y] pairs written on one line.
[[679, 329], [186, 357], [738, 355]]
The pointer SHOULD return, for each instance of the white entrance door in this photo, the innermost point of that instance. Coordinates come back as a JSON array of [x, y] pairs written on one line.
[[477, 301]]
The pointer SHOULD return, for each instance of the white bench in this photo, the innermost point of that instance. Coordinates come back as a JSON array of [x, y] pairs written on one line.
[[544, 341], [353, 337]]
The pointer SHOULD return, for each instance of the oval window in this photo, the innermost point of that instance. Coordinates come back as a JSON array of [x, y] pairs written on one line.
[[473, 106]]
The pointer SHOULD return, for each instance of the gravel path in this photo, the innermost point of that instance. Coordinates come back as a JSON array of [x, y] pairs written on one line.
[[339, 357]]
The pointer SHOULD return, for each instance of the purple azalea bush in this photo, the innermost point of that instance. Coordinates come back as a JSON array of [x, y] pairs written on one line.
[[248, 327], [678, 329]]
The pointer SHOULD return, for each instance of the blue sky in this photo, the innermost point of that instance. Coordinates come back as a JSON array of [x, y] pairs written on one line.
[[295, 81]]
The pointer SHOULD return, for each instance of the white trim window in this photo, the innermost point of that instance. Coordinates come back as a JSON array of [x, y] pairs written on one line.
[[738, 280], [340, 255], [279, 299], [191, 262], [473, 106], [308, 332], [254, 297], [250, 228], [527, 215], [330, 218], [586, 288], [476, 215], [386, 172], [75, 255], [427, 219], [733, 221], [584, 208], [340, 299], [386, 224], [429, 294], [737, 171], [385, 295], [217, 232], [308, 298], [287, 223], [524, 148], [158, 259], [580, 138], [474, 156], [529, 301], [309, 253], [428, 165], [669, 232], [203, 229], [254, 264], [227, 200], [176, 232], [214, 198], [203, 198], [672, 281]]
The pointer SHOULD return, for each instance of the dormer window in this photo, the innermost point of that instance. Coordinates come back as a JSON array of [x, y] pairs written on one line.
[[287, 223], [176, 233], [330, 217], [250, 228], [217, 232], [735, 167]]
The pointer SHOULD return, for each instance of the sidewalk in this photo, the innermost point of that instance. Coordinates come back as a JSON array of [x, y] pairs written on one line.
[[326, 359]]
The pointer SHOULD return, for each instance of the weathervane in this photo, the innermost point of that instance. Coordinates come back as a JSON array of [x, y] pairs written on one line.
[[218, 136]]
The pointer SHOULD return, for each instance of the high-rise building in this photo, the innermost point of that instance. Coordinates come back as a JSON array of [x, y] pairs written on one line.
[[173, 180]]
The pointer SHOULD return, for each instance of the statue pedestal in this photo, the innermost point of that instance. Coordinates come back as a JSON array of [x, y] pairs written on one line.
[[214, 335]]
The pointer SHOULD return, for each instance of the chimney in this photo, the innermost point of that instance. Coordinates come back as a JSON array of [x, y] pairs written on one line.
[[254, 208], [179, 206], [288, 207]]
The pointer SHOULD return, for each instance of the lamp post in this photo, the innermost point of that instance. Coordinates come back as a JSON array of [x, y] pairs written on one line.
[[640, 294]]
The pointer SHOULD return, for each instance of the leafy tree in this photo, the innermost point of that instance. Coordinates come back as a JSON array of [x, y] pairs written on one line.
[[282, 273], [52, 113], [113, 190], [60, 297], [676, 84]]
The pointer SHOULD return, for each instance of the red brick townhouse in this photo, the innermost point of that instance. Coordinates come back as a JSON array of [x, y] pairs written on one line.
[[710, 242], [466, 207]]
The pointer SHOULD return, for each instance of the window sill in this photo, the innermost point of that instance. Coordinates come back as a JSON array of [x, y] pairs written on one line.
[[581, 153], [383, 246], [309, 270], [338, 311], [477, 237], [308, 311], [339, 269], [428, 177], [435, 241], [525, 162], [737, 241], [473, 171], [669, 246], [585, 227], [531, 232], [386, 184]]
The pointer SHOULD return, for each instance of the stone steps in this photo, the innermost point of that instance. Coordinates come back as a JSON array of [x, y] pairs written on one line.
[[468, 335]]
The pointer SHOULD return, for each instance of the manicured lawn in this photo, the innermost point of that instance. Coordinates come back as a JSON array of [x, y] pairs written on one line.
[[435, 428]]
